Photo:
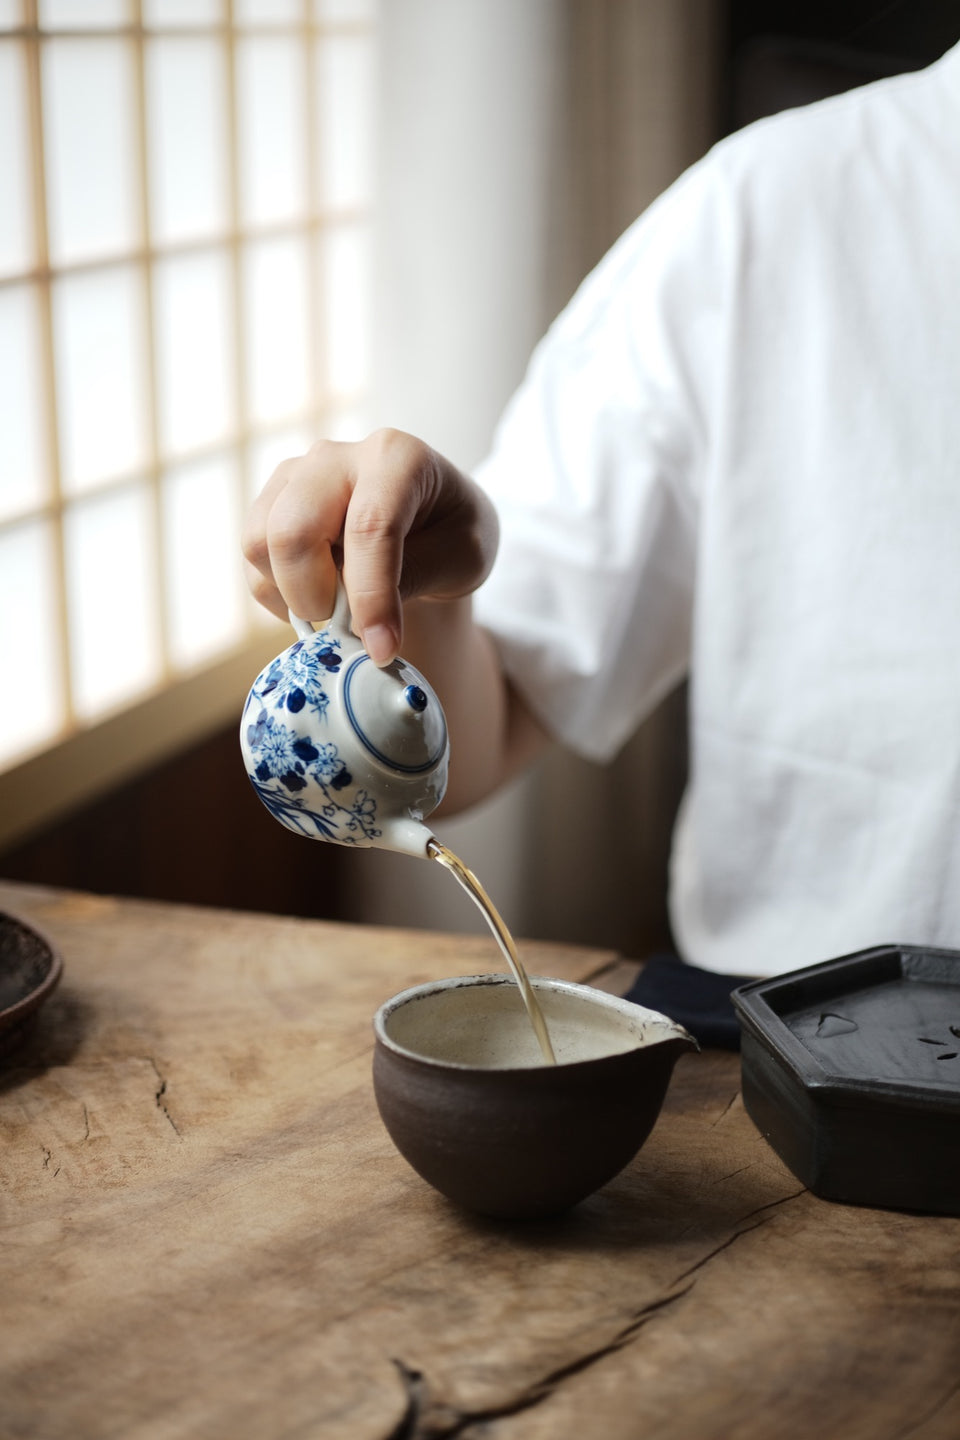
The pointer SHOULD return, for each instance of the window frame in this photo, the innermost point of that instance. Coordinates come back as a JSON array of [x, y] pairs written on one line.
[[185, 704]]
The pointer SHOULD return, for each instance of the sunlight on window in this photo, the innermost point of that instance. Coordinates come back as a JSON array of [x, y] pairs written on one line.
[[271, 12], [16, 211], [88, 94], [23, 451], [27, 620], [182, 13], [114, 640], [332, 11], [273, 139], [98, 326], [345, 83], [276, 300], [187, 132], [345, 266], [83, 14], [185, 276], [195, 343], [203, 583]]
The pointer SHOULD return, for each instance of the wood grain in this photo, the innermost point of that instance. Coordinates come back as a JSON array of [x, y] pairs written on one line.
[[205, 1231]]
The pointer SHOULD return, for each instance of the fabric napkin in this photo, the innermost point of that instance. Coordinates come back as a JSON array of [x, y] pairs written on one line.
[[699, 1000]]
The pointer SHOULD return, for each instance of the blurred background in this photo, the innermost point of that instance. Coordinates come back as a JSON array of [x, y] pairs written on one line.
[[228, 227]]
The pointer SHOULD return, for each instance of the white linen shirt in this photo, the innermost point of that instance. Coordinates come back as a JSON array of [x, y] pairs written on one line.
[[737, 453]]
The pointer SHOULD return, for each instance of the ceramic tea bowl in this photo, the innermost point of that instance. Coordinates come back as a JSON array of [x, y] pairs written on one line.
[[30, 969], [467, 1100]]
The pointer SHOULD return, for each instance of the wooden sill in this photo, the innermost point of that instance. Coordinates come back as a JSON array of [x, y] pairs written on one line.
[[50, 784]]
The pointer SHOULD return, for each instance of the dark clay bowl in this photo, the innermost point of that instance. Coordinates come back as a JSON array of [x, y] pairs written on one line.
[[468, 1101], [30, 968]]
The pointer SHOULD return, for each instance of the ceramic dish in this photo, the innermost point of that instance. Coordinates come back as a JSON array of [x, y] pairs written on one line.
[[30, 969], [466, 1098], [851, 1070]]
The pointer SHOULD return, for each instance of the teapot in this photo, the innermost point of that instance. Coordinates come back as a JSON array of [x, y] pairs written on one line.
[[340, 749]]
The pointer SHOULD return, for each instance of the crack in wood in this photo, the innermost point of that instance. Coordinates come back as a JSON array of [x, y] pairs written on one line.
[[726, 1109], [719, 1249], [423, 1419], [730, 1174], [774, 1204], [159, 1094], [743, 1229]]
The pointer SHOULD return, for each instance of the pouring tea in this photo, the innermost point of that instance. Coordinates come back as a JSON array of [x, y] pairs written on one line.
[[340, 749]]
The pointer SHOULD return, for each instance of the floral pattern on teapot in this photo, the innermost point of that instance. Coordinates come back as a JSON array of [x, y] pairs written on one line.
[[284, 762]]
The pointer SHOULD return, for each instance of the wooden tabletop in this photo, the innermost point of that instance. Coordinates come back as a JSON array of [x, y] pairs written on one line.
[[206, 1232]]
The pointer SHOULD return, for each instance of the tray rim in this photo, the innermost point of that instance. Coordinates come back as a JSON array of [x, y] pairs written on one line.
[[766, 1025]]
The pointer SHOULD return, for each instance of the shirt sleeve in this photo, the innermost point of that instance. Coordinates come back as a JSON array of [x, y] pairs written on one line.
[[595, 471]]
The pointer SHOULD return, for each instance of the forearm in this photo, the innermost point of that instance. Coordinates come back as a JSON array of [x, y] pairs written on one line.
[[492, 733]]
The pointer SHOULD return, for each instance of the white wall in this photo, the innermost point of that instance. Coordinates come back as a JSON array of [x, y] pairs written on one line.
[[469, 112], [517, 138]]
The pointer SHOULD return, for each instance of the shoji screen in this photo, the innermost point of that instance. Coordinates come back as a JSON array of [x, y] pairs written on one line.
[[185, 199]]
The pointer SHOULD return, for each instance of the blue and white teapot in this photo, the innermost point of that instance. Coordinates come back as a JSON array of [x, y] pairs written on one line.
[[339, 749]]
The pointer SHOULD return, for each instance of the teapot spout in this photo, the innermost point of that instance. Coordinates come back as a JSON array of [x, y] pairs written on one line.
[[406, 835]]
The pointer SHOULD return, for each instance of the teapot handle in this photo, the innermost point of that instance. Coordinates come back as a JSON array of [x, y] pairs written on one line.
[[338, 622], [303, 628]]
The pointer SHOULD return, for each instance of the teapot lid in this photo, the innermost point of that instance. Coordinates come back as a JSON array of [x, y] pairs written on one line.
[[395, 714]]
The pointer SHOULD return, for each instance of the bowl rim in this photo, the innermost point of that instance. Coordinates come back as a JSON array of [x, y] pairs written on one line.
[[627, 1008], [10, 1014]]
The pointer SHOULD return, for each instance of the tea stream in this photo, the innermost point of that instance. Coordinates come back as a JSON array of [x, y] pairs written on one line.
[[504, 939]]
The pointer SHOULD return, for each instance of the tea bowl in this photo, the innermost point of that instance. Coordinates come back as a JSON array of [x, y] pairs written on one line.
[[468, 1101], [30, 969]]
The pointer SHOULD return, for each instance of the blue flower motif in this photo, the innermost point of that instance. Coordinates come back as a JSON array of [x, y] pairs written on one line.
[[302, 779], [308, 660], [279, 756], [271, 679], [329, 769], [364, 807], [331, 821], [328, 653], [295, 679]]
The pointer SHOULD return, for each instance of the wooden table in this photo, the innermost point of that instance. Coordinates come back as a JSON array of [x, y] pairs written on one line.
[[205, 1231]]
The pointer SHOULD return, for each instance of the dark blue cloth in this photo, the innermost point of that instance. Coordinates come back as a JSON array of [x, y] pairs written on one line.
[[699, 1000]]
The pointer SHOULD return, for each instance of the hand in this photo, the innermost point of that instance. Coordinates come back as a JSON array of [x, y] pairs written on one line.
[[406, 521]]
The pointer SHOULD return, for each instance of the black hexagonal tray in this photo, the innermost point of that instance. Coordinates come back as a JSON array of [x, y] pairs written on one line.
[[851, 1070]]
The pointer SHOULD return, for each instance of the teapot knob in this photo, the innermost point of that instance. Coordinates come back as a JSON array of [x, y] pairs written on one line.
[[415, 698]]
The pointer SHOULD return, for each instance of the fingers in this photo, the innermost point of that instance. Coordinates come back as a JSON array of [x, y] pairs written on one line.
[[257, 570], [366, 497], [393, 488], [264, 591], [291, 528], [408, 522], [304, 522]]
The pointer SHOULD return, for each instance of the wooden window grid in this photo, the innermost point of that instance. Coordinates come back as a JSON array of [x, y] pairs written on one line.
[[323, 409]]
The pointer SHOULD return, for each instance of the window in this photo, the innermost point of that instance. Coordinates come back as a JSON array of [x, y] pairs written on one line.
[[185, 210]]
